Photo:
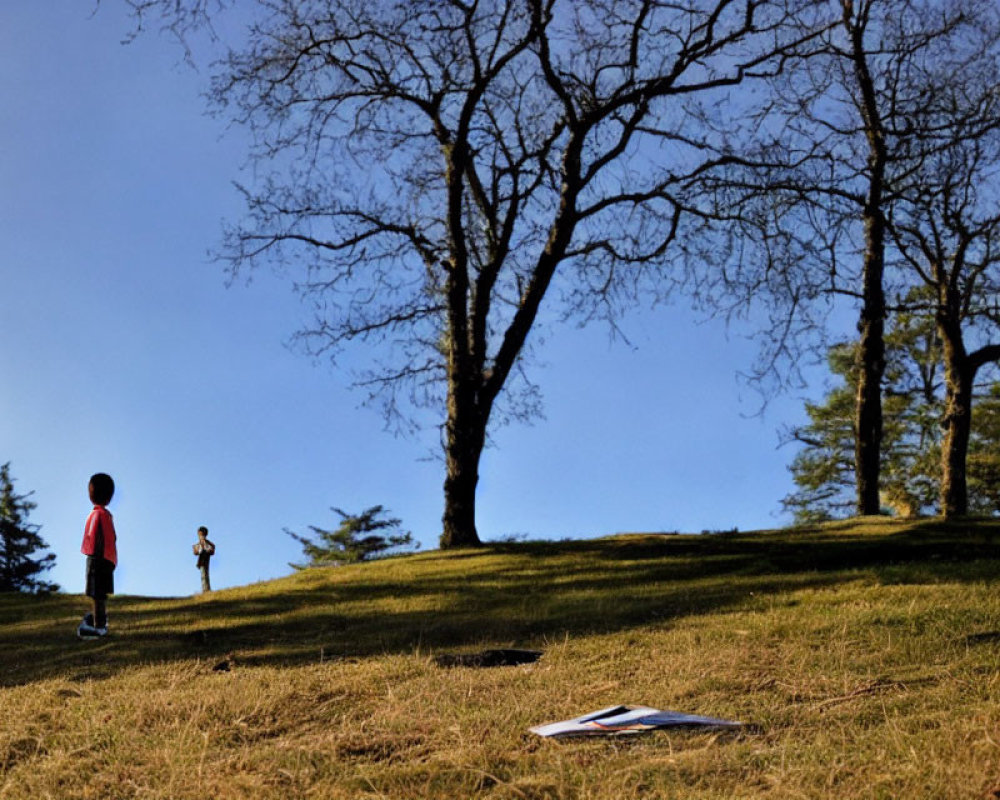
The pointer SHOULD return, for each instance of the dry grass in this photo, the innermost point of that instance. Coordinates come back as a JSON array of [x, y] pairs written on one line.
[[865, 656]]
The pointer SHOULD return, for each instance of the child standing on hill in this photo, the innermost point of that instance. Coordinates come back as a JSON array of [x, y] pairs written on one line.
[[100, 546], [204, 549]]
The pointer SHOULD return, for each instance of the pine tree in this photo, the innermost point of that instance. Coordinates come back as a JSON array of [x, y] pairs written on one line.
[[19, 540], [983, 466], [823, 470], [358, 538]]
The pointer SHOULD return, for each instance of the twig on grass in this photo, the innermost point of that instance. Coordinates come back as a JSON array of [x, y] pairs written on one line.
[[874, 687]]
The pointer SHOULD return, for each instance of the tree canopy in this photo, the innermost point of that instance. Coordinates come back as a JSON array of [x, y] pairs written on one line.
[[438, 173]]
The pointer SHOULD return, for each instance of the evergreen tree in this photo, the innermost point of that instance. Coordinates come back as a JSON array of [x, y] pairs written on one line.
[[359, 537], [911, 446], [914, 396], [983, 465], [823, 470], [19, 540]]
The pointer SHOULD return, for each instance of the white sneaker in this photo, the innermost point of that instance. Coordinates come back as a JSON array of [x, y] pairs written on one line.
[[86, 631]]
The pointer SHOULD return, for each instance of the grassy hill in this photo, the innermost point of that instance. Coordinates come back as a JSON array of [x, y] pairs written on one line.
[[865, 657]]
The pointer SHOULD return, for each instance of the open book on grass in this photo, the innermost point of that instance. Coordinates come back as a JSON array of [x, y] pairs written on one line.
[[616, 720]]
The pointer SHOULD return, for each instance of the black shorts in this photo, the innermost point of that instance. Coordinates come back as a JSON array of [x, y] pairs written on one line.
[[100, 577]]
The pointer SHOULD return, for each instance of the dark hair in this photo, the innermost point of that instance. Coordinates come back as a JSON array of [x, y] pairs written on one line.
[[104, 488], [203, 528]]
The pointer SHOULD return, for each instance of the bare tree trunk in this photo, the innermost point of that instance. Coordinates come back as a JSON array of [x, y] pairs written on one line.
[[871, 353], [465, 436], [961, 368], [958, 422], [959, 374], [871, 326], [871, 365], [465, 427], [459, 521]]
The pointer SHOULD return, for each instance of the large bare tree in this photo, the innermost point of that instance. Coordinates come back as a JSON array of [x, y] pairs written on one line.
[[439, 168], [945, 218]]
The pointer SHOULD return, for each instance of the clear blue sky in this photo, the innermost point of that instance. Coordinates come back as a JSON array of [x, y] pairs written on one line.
[[123, 351]]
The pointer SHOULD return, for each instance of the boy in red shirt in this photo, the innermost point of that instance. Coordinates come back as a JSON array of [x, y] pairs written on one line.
[[100, 548]]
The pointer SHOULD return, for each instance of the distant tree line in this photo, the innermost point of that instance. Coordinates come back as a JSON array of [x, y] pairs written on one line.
[[439, 171]]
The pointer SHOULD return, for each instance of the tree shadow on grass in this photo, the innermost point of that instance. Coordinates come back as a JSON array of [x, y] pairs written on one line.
[[519, 594]]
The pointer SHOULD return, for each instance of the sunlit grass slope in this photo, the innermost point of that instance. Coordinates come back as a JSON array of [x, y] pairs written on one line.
[[865, 658]]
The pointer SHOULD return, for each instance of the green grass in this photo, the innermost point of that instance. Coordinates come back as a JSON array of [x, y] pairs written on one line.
[[864, 656]]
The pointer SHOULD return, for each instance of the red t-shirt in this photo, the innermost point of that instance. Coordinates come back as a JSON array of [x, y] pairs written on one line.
[[99, 538]]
